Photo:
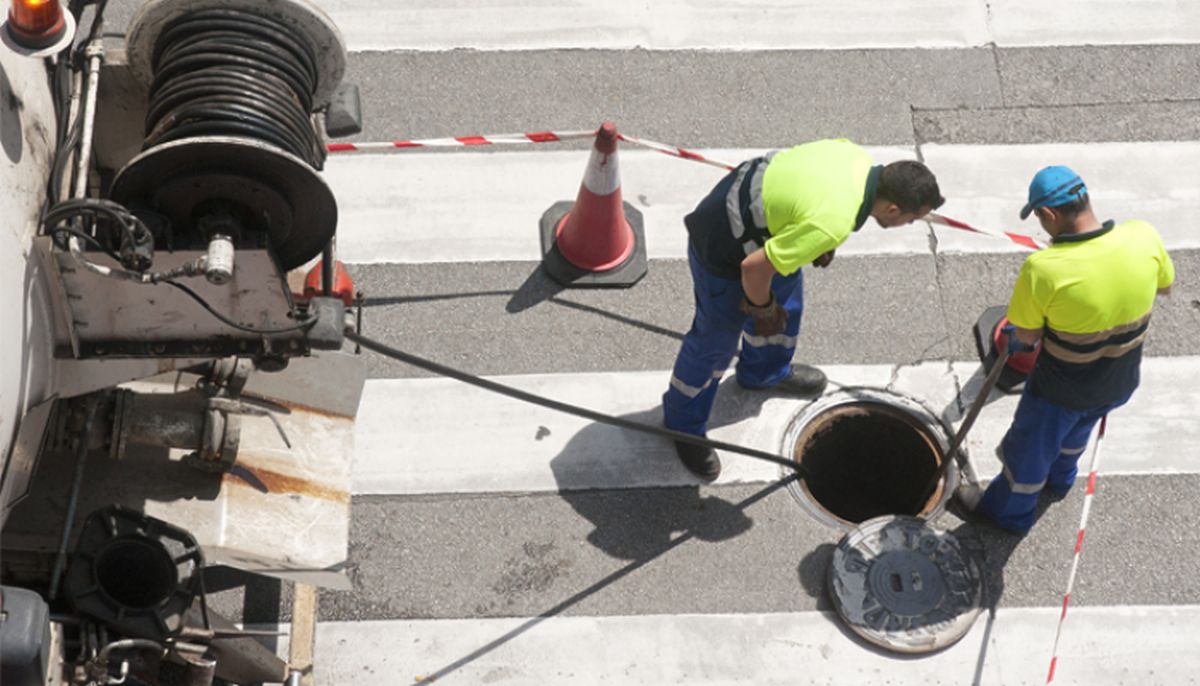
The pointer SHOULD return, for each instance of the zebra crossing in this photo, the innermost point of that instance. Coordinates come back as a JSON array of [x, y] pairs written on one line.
[[495, 542]]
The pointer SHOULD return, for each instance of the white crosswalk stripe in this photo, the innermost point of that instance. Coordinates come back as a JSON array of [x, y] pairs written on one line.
[[387, 201], [425, 442], [776, 648], [515, 447], [761, 25]]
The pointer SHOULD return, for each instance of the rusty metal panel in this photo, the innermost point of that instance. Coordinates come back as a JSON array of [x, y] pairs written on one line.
[[280, 511]]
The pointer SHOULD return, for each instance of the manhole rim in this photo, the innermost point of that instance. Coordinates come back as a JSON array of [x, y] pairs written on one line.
[[934, 427]]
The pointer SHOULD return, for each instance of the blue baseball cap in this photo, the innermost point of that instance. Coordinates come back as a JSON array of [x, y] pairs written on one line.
[[1053, 186]]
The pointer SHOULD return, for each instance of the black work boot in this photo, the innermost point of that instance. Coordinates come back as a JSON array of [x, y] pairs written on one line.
[[699, 460], [804, 380]]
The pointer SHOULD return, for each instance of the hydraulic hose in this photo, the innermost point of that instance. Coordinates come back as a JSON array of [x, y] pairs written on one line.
[[225, 72], [559, 406]]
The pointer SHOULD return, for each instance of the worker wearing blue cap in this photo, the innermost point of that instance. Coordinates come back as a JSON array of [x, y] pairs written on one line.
[[1087, 297]]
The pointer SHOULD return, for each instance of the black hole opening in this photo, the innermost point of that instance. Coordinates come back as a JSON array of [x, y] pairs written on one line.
[[868, 460], [136, 573]]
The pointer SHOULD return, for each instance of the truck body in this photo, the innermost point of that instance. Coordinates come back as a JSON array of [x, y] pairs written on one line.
[[169, 399]]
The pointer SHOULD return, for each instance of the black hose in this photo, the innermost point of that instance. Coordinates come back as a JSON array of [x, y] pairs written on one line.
[[440, 369], [304, 324], [225, 72]]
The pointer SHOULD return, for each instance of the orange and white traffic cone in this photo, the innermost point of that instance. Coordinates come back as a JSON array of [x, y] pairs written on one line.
[[342, 286], [598, 240]]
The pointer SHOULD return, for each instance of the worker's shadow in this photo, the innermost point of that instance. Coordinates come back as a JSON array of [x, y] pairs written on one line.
[[634, 490], [994, 545], [957, 409]]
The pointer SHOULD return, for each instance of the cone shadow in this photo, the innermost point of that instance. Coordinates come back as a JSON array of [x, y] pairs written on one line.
[[537, 288]]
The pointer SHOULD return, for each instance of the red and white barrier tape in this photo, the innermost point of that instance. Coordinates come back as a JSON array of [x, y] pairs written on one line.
[[462, 141], [674, 151], [677, 152], [1020, 239], [1087, 506]]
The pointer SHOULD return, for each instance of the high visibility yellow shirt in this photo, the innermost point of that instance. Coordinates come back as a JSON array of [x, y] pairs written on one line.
[[812, 195], [1091, 295], [1088, 286]]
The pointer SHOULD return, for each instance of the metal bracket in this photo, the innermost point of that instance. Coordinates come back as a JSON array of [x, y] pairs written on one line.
[[227, 376]]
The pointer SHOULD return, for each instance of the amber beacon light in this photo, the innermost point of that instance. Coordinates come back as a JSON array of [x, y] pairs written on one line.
[[36, 24]]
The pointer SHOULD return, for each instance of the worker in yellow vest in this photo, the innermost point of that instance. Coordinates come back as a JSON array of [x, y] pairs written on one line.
[[1087, 297], [748, 240]]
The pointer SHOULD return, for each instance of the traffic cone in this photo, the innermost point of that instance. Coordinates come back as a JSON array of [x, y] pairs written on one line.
[[597, 241], [990, 340], [343, 285]]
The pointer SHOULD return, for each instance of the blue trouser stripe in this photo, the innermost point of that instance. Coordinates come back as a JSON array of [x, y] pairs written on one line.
[[711, 343], [1041, 449]]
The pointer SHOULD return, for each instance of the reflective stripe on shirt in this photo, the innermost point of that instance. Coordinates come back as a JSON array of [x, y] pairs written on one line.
[[752, 173]]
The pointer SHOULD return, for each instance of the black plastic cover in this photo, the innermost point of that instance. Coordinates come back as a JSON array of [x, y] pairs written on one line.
[[330, 328], [24, 637], [1011, 380], [344, 116]]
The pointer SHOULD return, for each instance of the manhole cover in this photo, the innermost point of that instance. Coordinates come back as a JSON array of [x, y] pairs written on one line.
[[905, 586]]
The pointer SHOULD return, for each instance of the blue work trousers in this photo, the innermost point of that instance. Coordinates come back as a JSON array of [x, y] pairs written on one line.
[[1040, 450], [710, 344]]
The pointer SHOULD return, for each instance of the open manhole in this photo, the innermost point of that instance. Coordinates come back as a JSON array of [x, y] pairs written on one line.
[[868, 454]]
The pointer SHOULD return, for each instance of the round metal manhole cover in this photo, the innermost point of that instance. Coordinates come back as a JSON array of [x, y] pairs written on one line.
[[905, 586]]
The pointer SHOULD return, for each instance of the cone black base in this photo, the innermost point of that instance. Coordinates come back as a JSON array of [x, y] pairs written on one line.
[[623, 275], [1011, 380]]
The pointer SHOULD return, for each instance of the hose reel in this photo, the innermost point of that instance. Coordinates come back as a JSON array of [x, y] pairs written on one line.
[[226, 186], [231, 148]]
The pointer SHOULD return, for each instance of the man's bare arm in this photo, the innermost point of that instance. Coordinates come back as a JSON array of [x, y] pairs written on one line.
[[757, 272]]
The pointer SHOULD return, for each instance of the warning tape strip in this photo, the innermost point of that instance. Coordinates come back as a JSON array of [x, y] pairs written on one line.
[[1018, 238], [678, 152], [1087, 506], [462, 141], [674, 151]]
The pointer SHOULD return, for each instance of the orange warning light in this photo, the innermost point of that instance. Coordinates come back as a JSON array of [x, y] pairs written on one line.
[[36, 23]]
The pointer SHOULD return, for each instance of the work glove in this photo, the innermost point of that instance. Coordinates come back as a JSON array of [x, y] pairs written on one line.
[[769, 319], [1015, 345], [824, 260]]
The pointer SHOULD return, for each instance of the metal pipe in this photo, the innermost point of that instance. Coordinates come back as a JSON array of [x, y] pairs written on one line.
[[327, 269], [168, 420], [95, 54], [952, 454], [73, 500], [98, 668], [128, 644]]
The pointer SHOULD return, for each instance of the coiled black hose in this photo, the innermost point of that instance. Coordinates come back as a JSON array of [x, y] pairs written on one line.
[[224, 72]]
